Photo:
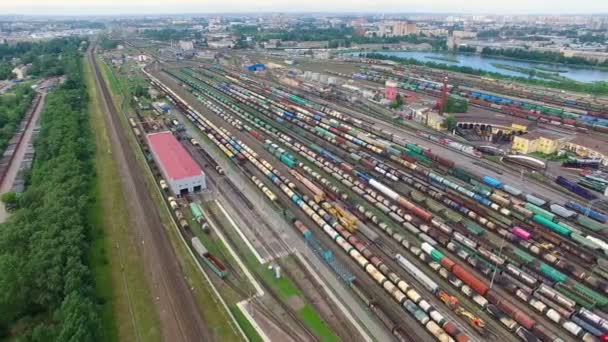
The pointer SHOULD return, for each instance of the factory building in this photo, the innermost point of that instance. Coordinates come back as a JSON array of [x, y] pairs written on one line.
[[181, 172], [533, 142]]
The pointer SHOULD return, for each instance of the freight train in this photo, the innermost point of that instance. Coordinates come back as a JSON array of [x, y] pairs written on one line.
[[365, 180], [574, 119]]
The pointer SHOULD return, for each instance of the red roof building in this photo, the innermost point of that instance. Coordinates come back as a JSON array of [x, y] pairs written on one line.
[[182, 173]]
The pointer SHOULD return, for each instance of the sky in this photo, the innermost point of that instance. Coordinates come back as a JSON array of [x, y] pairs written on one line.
[[129, 7]]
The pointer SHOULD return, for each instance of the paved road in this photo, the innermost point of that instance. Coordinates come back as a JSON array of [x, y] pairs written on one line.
[[180, 318], [19, 154]]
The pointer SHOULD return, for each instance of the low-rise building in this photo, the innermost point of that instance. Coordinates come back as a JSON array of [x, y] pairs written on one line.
[[588, 147], [186, 45], [181, 172], [545, 143], [397, 28], [221, 44], [427, 117]]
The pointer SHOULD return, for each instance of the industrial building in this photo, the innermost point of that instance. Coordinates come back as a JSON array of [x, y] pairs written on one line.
[[182, 173], [534, 142], [588, 147]]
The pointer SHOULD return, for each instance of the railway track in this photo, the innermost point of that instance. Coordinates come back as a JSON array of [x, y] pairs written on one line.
[[235, 285], [508, 296], [180, 318], [377, 292]]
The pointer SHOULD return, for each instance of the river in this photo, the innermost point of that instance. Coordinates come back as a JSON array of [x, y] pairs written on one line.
[[485, 63]]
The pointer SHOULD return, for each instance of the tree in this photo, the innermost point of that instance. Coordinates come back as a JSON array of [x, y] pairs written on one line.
[[449, 122], [397, 103], [10, 199], [456, 105], [45, 278]]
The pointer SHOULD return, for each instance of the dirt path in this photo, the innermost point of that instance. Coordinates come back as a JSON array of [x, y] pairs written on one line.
[[179, 317]]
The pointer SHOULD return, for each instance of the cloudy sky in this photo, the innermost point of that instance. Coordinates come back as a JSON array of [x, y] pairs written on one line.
[[54, 7]]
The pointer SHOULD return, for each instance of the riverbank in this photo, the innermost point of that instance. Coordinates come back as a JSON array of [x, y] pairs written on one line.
[[597, 88], [500, 57], [532, 72], [450, 59]]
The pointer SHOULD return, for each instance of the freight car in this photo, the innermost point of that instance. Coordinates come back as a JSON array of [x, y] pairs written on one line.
[[215, 265], [575, 188]]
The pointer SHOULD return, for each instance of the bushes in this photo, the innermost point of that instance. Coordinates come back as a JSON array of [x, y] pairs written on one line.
[[46, 287]]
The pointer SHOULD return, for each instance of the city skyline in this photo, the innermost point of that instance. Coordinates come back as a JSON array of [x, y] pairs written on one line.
[[134, 7]]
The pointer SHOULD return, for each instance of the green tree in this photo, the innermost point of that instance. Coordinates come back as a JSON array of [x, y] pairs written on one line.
[[449, 122], [10, 199], [45, 281], [397, 103], [456, 105]]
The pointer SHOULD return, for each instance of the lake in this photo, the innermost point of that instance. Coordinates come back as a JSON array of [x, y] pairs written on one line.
[[485, 63]]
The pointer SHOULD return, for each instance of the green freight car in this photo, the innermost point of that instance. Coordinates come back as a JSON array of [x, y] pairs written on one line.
[[540, 211], [287, 160], [570, 294], [557, 228], [414, 148], [590, 224], [523, 257], [552, 273], [473, 228], [197, 211]]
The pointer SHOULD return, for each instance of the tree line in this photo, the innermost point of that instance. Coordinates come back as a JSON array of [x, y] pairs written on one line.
[[46, 286], [44, 57], [336, 36], [542, 56], [597, 88], [12, 109]]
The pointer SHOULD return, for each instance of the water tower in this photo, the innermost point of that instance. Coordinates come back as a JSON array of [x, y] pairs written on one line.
[[390, 90]]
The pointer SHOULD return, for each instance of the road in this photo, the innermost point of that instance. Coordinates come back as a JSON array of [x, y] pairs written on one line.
[[180, 318], [19, 154]]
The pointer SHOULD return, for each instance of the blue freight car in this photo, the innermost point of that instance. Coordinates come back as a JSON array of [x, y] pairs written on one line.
[[492, 182], [587, 211], [575, 188]]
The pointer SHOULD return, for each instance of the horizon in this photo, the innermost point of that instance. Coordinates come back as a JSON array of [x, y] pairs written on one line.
[[40, 8]]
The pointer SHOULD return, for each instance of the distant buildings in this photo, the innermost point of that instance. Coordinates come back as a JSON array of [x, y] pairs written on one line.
[[221, 44], [186, 45], [456, 37], [601, 57], [397, 29]]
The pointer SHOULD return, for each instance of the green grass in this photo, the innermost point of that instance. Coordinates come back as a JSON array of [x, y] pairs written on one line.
[[211, 310], [284, 286], [249, 330], [122, 291]]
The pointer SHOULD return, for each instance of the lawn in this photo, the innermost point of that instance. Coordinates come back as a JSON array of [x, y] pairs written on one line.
[[126, 313], [283, 286]]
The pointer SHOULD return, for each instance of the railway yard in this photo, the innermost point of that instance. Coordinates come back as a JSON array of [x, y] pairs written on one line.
[[322, 222]]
